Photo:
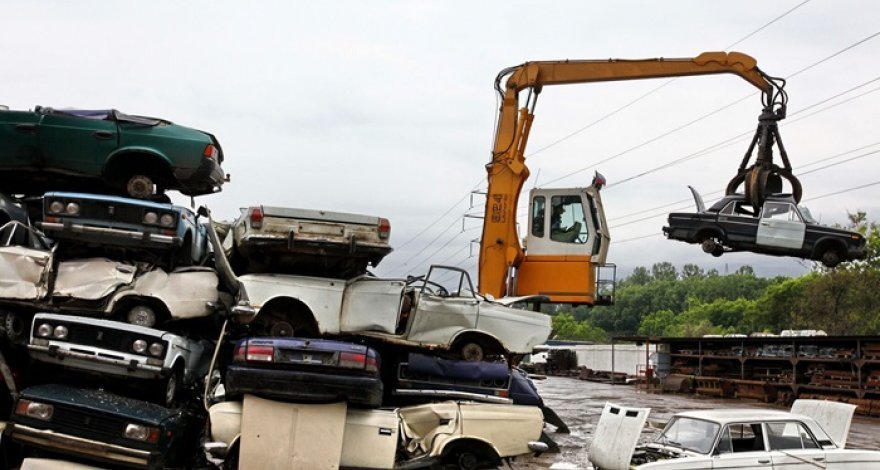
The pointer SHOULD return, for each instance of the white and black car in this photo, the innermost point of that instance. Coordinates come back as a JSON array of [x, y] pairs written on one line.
[[780, 228]]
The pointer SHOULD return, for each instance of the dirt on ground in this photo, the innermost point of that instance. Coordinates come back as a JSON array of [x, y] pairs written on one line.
[[579, 403]]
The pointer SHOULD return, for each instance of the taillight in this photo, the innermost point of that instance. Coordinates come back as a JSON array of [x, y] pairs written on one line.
[[259, 353], [256, 216], [372, 364], [352, 360], [211, 152], [384, 228]]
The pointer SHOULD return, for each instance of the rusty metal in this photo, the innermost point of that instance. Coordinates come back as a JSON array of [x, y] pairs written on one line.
[[764, 177]]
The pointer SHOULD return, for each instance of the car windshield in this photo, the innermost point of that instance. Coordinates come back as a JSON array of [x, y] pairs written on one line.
[[808, 216], [689, 434]]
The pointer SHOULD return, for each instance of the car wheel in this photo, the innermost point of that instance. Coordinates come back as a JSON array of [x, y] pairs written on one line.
[[169, 387], [275, 323], [141, 315], [831, 258], [710, 245], [471, 351], [140, 186], [718, 251]]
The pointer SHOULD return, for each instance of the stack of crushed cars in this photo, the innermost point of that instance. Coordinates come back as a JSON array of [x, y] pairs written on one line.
[[140, 334]]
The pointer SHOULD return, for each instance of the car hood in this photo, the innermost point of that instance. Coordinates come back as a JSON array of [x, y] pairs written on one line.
[[616, 436], [835, 418], [100, 401]]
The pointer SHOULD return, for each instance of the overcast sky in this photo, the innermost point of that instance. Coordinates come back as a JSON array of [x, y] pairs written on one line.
[[387, 108]]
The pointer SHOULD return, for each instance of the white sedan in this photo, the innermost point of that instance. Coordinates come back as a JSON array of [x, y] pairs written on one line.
[[813, 436]]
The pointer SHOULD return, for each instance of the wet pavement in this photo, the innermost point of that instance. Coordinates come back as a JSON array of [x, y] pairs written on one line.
[[579, 403]]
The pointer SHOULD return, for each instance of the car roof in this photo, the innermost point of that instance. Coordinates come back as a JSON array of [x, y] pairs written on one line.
[[738, 415]]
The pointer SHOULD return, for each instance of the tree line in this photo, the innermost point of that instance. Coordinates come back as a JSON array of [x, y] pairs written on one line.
[[665, 301]]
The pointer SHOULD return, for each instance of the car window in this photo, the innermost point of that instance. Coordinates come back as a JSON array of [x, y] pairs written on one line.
[[689, 433], [738, 208], [740, 437], [789, 435], [538, 207], [780, 211], [807, 215]]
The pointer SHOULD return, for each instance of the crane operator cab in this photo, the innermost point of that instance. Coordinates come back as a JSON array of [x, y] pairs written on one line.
[[566, 244]]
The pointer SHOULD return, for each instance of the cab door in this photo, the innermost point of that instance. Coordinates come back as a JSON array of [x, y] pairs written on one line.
[[781, 226], [18, 132]]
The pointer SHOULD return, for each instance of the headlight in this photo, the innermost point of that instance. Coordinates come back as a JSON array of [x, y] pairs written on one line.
[[167, 220], [157, 349], [139, 432], [44, 330], [139, 346], [151, 218], [56, 207], [34, 409], [72, 208], [60, 332]]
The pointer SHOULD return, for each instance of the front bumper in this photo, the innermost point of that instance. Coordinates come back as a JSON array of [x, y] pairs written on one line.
[[308, 386], [115, 236], [68, 444], [100, 361]]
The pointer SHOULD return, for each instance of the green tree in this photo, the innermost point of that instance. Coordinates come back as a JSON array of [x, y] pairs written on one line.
[[690, 270], [663, 271]]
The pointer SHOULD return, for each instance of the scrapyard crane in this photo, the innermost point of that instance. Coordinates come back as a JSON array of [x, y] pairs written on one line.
[[561, 265]]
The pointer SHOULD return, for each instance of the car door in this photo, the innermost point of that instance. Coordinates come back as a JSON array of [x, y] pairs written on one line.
[[781, 226], [792, 447], [18, 132], [741, 445], [77, 144], [444, 306]]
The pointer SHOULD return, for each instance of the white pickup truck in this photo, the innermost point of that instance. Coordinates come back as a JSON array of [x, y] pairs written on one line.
[[437, 311]]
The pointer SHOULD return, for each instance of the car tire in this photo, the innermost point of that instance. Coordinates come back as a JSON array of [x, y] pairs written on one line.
[[831, 258], [718, 251], [461, 456], [170, 387], [276, 323]]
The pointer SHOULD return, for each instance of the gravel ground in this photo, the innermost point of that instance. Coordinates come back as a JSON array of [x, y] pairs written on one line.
[[579, 403]]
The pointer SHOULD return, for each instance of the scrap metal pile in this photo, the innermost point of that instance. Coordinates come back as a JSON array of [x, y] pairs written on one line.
[[138, 333]]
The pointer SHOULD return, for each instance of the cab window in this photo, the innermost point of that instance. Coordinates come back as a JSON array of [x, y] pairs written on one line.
[[739, 209], [538, 206], [740, 437], [789, 435], [568, 221]]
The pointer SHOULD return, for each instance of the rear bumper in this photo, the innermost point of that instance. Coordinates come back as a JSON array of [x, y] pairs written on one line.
[[268, 244], [307, 386], [208, 178], [68, 444]]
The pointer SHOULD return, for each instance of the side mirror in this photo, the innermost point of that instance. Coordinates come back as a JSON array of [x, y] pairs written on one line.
[[203, 211]]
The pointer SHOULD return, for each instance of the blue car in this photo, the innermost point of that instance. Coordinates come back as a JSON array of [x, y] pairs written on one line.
[[305, 370], [115, 221]]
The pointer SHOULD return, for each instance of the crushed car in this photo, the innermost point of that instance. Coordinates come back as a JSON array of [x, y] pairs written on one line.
[[147, 227], [731, 438], [458, 434], [417, 312], [780, 227], [308, 370], [73, 149], [105, 428], [268, 239], [162, 362]]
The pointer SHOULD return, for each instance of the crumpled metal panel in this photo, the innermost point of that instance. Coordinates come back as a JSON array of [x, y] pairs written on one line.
[[23, 272], [421, 424], [92, 279], [185, 292]]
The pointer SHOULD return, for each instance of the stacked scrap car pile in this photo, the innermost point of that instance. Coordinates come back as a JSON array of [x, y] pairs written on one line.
[[130, 323]]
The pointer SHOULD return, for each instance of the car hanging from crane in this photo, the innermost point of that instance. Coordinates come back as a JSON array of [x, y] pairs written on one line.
[[567, 238]]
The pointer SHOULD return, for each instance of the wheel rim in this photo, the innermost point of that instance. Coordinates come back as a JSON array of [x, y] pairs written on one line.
[[281, 328], [140, 186], [472, 352], [467, 461], [171, 390]]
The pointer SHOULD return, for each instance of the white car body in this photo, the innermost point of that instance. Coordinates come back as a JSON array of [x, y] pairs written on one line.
[[396, 311], [732, 438], [369, 438], [109, 351]]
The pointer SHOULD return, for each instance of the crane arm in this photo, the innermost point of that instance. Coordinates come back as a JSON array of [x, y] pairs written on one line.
[[500, 248]]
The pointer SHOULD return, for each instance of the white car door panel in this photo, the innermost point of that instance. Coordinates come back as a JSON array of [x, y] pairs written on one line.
[[780, 226]]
